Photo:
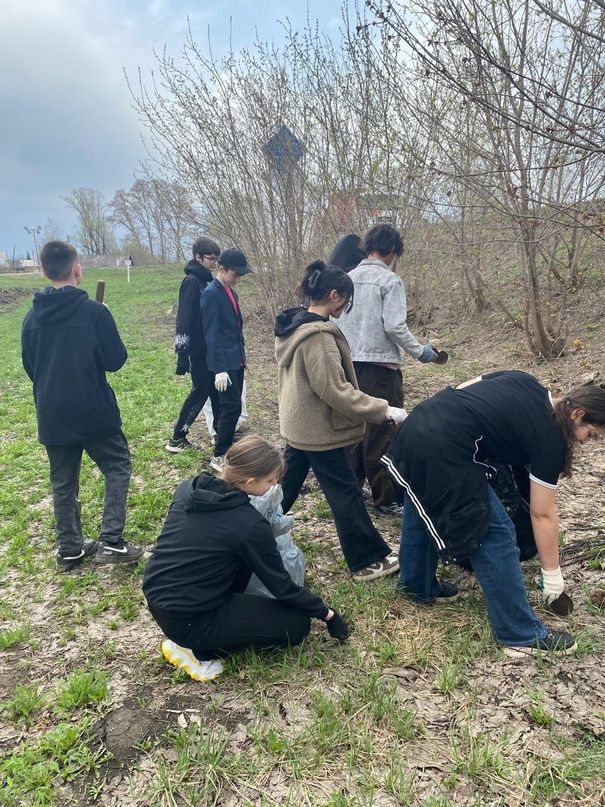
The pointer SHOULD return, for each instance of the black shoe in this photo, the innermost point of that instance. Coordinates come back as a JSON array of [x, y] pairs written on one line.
[[68, 562], [555, 641], [117, 553], [449, 593], [176, 446]]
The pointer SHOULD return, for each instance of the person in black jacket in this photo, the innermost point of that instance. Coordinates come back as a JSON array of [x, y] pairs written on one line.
[[212, 540], [444, 456], [226, 354], [190, 342], [68, 343]]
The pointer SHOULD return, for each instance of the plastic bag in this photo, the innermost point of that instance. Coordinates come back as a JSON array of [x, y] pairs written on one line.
[[269, 505]]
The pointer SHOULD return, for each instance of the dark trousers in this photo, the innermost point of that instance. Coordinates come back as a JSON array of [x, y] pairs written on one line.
[[380, 382], [202, 381], [360, 541], [112, 457], [244, 620], [230, 408]]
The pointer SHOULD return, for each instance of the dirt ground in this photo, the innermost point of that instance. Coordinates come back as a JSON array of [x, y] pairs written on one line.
[[493, 698]]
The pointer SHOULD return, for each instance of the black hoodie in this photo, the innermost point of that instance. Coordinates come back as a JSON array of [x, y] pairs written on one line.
[[189, 331], [292, 318], [211, 542], [68, 342]]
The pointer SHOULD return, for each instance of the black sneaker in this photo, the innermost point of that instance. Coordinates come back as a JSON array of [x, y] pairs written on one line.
[[68, 562], [118, 553], [555, 641], [449, 593], [390, 509], [176, 446]]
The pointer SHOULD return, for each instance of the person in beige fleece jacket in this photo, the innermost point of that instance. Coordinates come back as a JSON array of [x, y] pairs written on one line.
[[322, 413]]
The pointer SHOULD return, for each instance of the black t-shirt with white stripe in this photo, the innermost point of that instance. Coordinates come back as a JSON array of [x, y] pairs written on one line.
[[514, 416]]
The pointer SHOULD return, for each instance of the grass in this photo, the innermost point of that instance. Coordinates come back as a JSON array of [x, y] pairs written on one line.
[[399, 715], [81, 688]]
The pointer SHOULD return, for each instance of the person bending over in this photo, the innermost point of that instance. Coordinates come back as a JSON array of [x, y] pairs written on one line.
[[212, 540], [443, 456]]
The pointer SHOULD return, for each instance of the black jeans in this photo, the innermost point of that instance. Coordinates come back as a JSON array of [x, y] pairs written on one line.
[[230, 408], [380, 382], [360, 541], [244, 620], [112, 457], [202, 381]]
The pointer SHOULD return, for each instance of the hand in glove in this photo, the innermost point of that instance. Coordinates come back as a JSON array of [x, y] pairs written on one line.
[[553, 592], [221, 381], [337, 627], [428, 354], [182, 363], [396, 415]]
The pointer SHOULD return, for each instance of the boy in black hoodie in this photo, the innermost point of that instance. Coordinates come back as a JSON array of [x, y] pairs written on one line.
[[190, 343], [68, 342]]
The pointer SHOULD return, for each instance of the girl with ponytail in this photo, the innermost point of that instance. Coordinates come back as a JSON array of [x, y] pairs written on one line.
[[322, 413]]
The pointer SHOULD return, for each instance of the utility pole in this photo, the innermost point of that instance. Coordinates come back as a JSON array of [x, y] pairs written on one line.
[[34, 231]]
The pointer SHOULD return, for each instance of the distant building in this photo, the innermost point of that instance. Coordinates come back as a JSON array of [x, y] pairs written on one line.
[[4, 260], [27, 264]]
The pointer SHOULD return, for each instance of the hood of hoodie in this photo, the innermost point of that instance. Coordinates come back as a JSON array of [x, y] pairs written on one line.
[[194, 268], [293, 326], [56, 305], [207, 493]]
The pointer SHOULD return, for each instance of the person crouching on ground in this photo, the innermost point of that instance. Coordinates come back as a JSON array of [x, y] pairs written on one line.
[[212, 541], [322, 413], [443, 455]]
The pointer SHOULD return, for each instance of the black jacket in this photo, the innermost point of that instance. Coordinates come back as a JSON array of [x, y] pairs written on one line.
[[68, 342], [211, 542], [189, 331], [223, 328]]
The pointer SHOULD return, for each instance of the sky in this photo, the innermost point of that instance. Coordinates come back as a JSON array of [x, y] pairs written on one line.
[[66, 119]]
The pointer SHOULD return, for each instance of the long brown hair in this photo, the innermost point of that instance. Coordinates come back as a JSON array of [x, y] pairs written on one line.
[[589, 397], [251, 458]]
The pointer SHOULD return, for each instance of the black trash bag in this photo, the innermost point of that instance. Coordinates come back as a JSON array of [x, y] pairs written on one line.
[[511, 485]]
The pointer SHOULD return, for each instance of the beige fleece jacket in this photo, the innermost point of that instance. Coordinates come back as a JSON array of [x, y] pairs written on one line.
[[320, 404]]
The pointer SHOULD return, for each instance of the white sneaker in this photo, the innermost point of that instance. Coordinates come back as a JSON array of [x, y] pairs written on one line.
[[218, 463], [183, 659], [389, 565]]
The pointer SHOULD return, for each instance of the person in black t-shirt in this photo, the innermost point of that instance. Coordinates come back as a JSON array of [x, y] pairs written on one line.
[[443, 456], [211, 542]]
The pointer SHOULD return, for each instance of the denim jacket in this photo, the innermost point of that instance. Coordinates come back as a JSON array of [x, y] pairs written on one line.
[[375, 327]]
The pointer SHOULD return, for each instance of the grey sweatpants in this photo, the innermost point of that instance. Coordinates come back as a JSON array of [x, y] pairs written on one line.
[[111, 455]]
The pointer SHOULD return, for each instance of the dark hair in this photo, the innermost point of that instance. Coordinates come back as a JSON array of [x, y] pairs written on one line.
[[589, 397], [383, 238], [205, 246], [347, 253], [319, 280], [252, 457], [57, 259]]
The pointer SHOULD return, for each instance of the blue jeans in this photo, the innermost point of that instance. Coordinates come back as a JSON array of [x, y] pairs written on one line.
[[496, 566]]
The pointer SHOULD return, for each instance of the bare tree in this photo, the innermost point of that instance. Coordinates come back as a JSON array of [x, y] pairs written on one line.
[[536, 93], [94, 230]]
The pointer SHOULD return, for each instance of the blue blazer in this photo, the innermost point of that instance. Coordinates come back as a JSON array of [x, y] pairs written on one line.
[[223, 328]]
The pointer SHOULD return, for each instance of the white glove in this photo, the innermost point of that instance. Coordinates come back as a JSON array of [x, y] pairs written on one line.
[[396, 415], [552, 585], [221, 381]]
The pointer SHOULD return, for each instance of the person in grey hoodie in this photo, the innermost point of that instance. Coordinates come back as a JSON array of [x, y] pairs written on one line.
[[378, 336]]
